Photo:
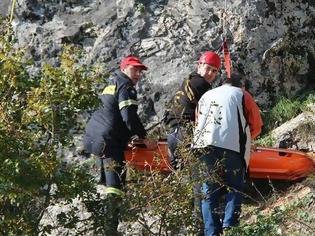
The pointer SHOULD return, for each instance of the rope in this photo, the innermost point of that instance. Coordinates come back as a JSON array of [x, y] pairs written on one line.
[[224, 47], [223, 20], [12, 10], [225, 7], [227, 59]]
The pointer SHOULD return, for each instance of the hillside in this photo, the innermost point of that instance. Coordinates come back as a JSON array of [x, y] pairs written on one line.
[[56, 57], [280, 208]]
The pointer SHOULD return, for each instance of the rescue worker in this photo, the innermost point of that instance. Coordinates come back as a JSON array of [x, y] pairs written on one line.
[[111, 126], [227, 119], [180, 113]]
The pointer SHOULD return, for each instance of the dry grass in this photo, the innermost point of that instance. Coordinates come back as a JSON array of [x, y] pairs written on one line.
[[295, 200]]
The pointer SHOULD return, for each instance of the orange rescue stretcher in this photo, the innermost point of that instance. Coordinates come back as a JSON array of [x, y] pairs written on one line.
[[265, 163]]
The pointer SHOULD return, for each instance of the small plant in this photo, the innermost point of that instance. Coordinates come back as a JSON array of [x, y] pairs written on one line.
[[308, 103], [284, 110], [290, 218], [264, 226], [161, 203], [265, 141], [140, 8]]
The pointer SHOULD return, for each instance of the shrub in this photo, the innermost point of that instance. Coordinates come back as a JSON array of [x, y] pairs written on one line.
[[286, 109], [37, 115]]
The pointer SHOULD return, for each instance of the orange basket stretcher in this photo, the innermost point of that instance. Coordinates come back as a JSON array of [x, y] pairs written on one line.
[[265, 163]]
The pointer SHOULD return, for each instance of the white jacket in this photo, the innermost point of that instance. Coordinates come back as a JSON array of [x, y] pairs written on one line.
[[221, 121]]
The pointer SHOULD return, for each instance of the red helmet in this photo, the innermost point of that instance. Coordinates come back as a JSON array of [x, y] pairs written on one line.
[[210, 58], [131, 60]]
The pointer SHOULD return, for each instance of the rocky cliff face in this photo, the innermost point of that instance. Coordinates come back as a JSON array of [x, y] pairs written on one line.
[[271, 41]]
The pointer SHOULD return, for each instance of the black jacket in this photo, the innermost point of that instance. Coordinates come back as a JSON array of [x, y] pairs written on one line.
[[117, 119], [181, 108]]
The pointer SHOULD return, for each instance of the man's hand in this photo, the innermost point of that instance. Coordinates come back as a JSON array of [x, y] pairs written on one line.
[[253, 148], [150, 144]]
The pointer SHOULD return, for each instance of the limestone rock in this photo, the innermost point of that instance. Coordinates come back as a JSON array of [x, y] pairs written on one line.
[[297, 133]]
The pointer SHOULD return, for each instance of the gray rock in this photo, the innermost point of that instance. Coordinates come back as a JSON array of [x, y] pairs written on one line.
[[297, 133], [270, 42], [5, 7]]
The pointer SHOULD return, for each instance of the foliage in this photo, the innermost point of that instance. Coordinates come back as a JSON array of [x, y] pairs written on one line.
[[286, 109], [280, 220], [140, 8], [265, 141], [265, 225], [307, 101], [37, 115], [162, 205]]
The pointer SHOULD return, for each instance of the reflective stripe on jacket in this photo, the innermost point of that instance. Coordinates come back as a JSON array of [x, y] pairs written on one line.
[[181, 108], [117, 119]]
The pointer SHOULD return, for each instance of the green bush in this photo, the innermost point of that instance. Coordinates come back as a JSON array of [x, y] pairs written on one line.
[[286, 109], [37, 115], [265, 141]]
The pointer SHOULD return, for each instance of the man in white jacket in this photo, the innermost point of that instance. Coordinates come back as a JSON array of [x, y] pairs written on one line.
[[223, 133]]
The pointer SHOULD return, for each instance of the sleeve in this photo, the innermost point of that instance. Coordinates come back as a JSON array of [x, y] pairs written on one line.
[[252, 114], [128, 106]]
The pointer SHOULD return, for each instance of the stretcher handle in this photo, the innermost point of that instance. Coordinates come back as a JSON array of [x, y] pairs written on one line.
[[136, 142]]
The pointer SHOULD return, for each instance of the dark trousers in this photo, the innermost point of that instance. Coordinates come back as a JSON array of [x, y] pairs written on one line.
[[113, 176], [114, 167], [173, 140], [224, 176]]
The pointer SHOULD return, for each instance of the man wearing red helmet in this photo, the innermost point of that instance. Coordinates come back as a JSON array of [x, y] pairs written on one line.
[[111, 126], [180, 114], [181, 110]]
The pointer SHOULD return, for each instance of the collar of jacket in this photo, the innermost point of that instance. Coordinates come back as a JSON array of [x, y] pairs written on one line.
[[195, 74], [124, 78]]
